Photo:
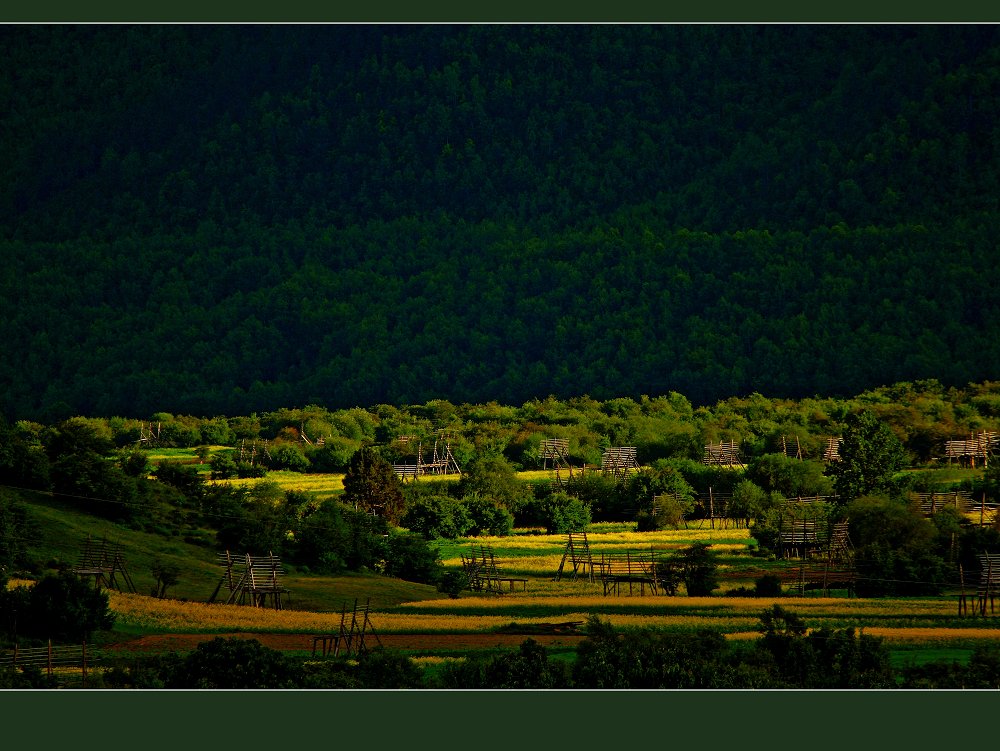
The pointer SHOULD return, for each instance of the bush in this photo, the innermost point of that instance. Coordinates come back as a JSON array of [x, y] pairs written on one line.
[[453, 582], [63, 608], [667, 512], [410, 557], [234, 663], [335, 537], [560, 513], [767, 585], [896, 548], [223, 466], [246, 470], [385, 669], [789, 476], [184, 477], [601, 492], [748, 502], [323, 539], [288, 457], [437, 516], [528, 668], [488, 517], [647, 493], [495, 479], [644, 659], [255, 521], [699, 570]]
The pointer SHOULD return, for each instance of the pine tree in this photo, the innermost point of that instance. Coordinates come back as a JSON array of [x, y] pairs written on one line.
[[371, 485]]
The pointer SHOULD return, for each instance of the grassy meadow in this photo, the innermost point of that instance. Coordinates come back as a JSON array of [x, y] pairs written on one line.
[[915, 629]]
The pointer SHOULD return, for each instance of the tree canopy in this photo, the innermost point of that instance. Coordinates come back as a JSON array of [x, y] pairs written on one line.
[[228, 219]]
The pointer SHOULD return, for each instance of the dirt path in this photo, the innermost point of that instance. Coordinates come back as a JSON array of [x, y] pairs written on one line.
[[304, 642]]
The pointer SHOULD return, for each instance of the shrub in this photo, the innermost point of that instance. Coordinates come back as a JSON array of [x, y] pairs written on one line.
[[789, 476], [644, 659], [385, 669], [223, 466], [18, 531], [642, 490], [62, 607], [488, 517], [246, 470], [184, 477], [600, 491], [234, 663], [410, 557], [335, 537], [453, 582], [288, 457], [767, 585], [528, 668], [560, 513], [322, 539], [896, 548], [667, 512], [437, 516], [699, 570], [748, 502], [495, 479]]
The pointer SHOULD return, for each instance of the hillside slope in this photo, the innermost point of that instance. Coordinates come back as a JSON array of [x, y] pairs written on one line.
[[228, 219]]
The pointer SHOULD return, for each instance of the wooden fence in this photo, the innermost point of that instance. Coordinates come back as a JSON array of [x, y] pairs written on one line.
[[61, 661]]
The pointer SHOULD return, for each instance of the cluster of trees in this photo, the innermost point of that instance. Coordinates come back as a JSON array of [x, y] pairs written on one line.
[[62, 607], [227, 219], [786, 655], [923, 415], [380, 523]]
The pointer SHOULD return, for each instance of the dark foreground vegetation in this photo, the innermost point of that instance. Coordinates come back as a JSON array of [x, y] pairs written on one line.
[[226, 219], [784, 656]]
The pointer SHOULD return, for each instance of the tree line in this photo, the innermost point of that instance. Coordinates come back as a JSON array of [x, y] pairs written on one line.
[[381, 523]]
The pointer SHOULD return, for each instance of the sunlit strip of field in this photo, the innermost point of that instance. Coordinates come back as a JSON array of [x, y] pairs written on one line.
[[717, 538], [158, 455], [805, 607], [156, 615], [153, 615], [296, 481], [913, 621]]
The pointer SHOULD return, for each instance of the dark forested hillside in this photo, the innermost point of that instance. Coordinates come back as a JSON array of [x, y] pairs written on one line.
[[228, 219]]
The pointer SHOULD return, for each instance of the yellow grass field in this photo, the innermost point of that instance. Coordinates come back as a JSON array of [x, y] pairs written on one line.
[[897, 621]]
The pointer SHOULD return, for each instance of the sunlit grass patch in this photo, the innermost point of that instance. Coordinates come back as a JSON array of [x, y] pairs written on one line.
[[161, 615], [423, 661], [311, 484]]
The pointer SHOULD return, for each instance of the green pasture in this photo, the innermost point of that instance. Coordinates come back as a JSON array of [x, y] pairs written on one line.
[[529, 553]]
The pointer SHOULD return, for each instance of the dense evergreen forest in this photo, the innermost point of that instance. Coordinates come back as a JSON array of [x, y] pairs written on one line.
[[233, 219]]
